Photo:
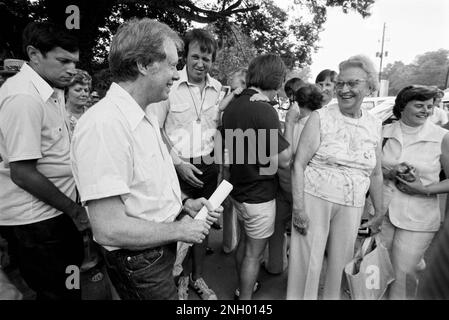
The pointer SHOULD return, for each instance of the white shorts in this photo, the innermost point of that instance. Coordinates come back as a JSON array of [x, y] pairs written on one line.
[[257, 218]]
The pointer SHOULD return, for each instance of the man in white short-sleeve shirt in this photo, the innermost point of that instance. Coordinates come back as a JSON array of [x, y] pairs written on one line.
[[37, 185], [124, 172]]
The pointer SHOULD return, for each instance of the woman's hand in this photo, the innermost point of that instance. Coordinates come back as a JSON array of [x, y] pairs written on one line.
[[413, 188], [258, 97], [300, 221], [237, 91], [374, 223], [390, 173]]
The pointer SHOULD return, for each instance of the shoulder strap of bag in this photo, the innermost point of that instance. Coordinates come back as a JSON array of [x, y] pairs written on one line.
[[367, 244], [384, 141]]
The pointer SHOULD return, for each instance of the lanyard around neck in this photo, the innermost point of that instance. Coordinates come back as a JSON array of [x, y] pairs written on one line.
[[198, 114]]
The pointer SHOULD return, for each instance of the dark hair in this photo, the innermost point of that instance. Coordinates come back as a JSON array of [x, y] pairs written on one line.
[[292, 85], [138, 41], [45, 36], [309, 96], [410, 93], [326, 73], [205, 40], [266, 72]]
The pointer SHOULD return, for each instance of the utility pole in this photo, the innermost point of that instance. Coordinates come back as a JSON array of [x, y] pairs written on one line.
[[446, 83], [381, 54]]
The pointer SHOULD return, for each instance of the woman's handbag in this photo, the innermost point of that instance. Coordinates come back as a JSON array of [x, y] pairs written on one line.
[[370, 272]]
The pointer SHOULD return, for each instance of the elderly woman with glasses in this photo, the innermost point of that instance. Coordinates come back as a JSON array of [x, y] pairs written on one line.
[[338, 162], [414, 152]]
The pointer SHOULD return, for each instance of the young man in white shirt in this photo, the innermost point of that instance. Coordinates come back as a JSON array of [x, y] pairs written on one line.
[[37, 185]]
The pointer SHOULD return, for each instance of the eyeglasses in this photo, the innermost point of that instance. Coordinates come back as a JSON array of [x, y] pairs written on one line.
[[351, 83]]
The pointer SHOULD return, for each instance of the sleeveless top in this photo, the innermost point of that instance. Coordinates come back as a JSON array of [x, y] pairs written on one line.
[[422, 149], [340, 170]]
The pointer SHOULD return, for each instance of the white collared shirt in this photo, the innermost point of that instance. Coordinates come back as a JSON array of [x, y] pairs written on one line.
[[32, 126], [117, 150], [423, 151], [179, 114]]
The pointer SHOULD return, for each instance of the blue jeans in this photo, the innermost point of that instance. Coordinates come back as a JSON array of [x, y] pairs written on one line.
[[144, 274]]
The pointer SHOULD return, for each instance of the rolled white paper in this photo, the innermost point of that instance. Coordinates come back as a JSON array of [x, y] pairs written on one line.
[[216, 199]]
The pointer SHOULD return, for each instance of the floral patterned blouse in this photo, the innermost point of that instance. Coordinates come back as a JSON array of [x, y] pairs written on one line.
[[339, 171]]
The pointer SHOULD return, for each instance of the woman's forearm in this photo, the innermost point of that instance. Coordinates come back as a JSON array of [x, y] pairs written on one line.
[[437, 188], [288, 132], [375, 191], [298, 186]]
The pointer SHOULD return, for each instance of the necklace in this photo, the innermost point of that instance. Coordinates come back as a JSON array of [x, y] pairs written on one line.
[[198, 115]]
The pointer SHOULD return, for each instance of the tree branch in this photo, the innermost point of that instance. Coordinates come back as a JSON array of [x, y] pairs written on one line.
[[186, 9]]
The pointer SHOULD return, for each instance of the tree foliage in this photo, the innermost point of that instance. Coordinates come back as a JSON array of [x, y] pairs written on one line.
[[262, 26], [430, 68]]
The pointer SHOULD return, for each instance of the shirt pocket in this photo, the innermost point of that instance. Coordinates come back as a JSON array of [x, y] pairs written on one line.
[[147, 168], [210, 114], [181, 113], [141, 263], [54, 140]]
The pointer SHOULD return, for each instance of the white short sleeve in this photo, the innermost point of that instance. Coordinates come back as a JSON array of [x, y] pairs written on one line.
[[21, 126], [102, 159]]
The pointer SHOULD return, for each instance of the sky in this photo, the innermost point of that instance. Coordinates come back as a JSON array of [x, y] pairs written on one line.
[[413, 27]]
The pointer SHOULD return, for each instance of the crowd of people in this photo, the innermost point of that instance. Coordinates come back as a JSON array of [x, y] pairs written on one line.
[[128, 173]]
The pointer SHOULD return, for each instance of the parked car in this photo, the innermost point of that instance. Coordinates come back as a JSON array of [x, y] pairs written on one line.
[[445, 100], [369, 102], [381, 107], [384, 111], [372, 102]]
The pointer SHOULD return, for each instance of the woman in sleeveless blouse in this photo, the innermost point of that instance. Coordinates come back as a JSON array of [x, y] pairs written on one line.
[[413, 215], [337, 162]]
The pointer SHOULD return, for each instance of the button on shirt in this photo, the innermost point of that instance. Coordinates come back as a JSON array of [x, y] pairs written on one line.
[[117, 150], [32, 127], [178, 116]]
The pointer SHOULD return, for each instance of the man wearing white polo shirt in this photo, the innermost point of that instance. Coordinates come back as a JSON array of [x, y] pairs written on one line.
[[124, 172], [37, 186]]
